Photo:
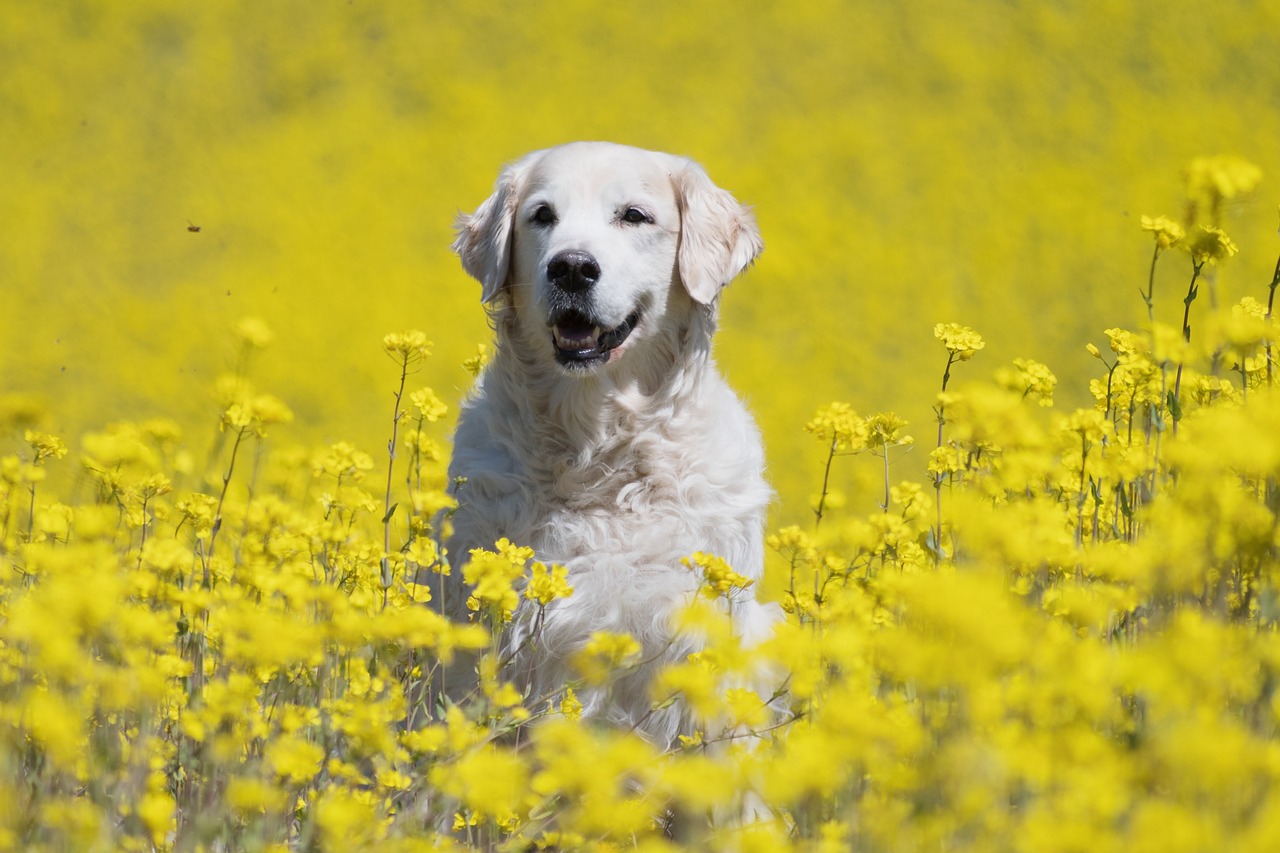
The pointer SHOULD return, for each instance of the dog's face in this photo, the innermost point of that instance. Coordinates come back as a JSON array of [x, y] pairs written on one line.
[[601, 248]]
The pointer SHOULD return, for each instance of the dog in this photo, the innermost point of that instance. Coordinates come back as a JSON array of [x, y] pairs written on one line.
[[601, 434]]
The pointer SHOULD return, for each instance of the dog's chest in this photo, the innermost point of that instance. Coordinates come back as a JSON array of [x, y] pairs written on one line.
[[644, 499]]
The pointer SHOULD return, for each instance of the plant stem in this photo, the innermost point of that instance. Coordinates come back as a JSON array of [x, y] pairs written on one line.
[[387, 508], [1192, 291], [826, 479], [1149, 296]]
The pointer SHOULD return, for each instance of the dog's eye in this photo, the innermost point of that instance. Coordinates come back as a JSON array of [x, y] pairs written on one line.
[[635, 216], [543, 215]]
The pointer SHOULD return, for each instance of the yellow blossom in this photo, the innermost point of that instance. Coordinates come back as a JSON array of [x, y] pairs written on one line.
[[547, 583], [428, 405], [570, 706], [475, 364], [718, 578], [839, 424], [604, 653], [1167, 232], [45, 446], [254, 331], [961, 342], [408, 346], [1209, 245], [1031, 379]]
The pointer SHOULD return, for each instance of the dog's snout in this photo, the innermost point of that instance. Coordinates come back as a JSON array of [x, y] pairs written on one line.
[[573, 271]]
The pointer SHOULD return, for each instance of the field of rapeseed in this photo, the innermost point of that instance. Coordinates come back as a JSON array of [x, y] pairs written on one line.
[[1060, 636], [1034, 609]]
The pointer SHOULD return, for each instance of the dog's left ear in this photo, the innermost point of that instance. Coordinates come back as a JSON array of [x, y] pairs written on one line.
[[484, 238], [719, 237]]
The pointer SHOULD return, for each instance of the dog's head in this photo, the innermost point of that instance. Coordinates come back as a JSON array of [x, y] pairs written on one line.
[[599, 247]]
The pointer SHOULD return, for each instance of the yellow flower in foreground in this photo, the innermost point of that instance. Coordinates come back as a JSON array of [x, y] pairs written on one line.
[[884, 430], [294, 759], [428, 405], [1167, 232], [46, 446], [839, 424], [492, 574], [604, 653], [547, 583], [1209, 245], [570, 706], [718, 578], [961, 341], [476, 363], [407, 346], [487, 781]]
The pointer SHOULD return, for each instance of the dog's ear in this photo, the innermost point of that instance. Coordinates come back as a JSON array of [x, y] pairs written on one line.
[[484, 238], [719, 237]]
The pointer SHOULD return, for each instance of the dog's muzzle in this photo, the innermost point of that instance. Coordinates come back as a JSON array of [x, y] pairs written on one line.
[[579, 339], [581, 343]]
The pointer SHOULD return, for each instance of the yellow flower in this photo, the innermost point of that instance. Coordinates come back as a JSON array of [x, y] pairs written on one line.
[[156, 811], [255, 332], [488, 782], [840, 425], [492, 575], [547, 583], [428, 405], [1089, 424], [604, 653], [1031, 379], [570, 706], [423, 552], [884, 430], [256, 414], [1222, 177], [407, 347], [717, 576], [961, 342], [46, 446], [343, 461], [746, 708], [1209, 245], [1167, 232], [476, 363]]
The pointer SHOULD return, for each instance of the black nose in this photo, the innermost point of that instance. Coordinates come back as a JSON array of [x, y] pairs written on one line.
[[573, 271]]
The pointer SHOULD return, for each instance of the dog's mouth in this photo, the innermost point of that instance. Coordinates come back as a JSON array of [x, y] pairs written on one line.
[[580, 342]]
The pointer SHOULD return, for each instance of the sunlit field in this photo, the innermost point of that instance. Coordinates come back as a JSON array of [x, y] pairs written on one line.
[[1011, 344]]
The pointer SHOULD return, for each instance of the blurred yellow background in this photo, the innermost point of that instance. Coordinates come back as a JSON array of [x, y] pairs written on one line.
[[909, 162]]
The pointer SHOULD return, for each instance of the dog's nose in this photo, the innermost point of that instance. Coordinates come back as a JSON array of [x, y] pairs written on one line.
[[573, 271]]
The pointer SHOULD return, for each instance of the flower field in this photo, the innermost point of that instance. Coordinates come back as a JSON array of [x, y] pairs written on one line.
[[1060, 635], [1028, 555]]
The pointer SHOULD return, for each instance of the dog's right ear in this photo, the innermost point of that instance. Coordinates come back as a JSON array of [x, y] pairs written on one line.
[[484, 238]]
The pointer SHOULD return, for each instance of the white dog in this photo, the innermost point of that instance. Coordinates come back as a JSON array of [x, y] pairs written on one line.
[[601, 434]]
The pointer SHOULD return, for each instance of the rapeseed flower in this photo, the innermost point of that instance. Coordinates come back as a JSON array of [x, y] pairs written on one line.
[[547, 583], [718, 579], [961, 342], [605, 653], [492, 576], [840, 425], [1209, 245], [1167, 232]]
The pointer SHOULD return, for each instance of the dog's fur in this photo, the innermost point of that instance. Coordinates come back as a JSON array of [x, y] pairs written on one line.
[[614, 455]]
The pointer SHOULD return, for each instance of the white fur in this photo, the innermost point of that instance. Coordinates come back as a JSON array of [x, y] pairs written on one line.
[[619, 470]]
